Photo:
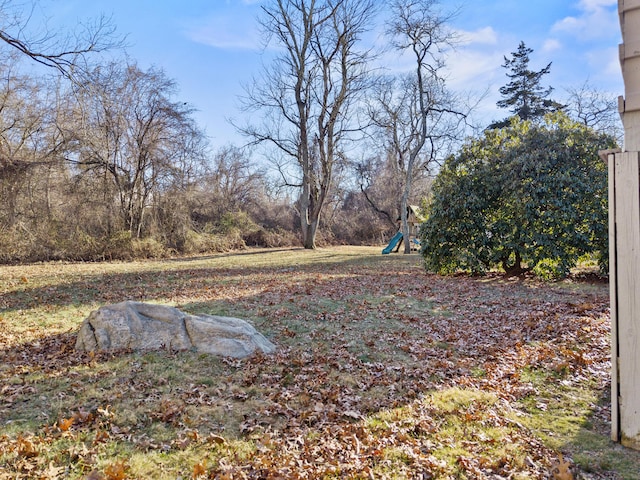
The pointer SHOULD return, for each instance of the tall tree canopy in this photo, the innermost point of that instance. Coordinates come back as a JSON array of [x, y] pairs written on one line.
[[524, 95], [129, 131], [531, 195], [309, 92], [415, 114]]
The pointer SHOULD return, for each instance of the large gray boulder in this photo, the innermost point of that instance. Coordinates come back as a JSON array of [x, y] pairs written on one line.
[[144, 326]]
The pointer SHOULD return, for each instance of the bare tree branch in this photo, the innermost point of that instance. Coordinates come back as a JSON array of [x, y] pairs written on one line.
[[415, 112], [69, 54], [306, 95]]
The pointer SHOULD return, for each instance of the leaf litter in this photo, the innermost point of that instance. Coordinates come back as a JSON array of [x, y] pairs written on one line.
[[382, 371]]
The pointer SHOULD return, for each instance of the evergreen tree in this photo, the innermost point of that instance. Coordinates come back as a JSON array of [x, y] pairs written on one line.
[[524, 96]]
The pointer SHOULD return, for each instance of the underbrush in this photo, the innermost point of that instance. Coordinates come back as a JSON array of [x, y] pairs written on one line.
[[48, 243]]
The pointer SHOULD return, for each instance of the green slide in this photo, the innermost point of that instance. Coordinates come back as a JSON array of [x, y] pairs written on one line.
[[392, 243]]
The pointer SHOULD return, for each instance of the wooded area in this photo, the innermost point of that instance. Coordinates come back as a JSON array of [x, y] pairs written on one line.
[[378, 368], [107, 162]]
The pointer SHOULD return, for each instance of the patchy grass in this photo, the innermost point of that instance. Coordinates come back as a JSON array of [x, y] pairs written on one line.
[[382, 371]]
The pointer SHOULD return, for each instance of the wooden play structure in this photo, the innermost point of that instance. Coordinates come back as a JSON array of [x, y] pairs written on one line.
[[624, 241], [414, 219]]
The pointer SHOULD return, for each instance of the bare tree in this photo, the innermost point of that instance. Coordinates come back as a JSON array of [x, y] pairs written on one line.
[[309, 92], [415, 112], [596, 109], [66, 53], [233, 180], [28, 137], [130, 133], [230, 184]]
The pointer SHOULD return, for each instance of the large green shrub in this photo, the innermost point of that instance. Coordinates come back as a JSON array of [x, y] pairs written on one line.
[[524, 196]]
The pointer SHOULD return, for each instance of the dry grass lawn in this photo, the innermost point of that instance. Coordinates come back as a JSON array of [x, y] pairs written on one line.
[[382, 371]]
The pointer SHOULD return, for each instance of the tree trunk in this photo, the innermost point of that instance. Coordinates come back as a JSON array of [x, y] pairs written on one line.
[[309, 235], [516, 268], [309, 221], [307, 227], [404, 204], [404, 221], [309, 215]]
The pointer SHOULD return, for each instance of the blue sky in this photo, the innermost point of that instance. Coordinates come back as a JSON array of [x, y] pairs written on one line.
[[212, 47]]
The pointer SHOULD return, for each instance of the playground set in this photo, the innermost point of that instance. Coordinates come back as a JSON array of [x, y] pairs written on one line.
[[415, 219]]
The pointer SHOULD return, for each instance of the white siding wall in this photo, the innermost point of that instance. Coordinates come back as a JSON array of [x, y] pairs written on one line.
[[624, 232]]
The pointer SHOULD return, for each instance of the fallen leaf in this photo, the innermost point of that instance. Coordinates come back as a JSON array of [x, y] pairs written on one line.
[[94, 475], [200, 469], [82, 416], [105, 412], [65, 423], [26, 448], [116, 471], [562, 470], [216, 439], [101, 436], [52, 472], [352, 414]]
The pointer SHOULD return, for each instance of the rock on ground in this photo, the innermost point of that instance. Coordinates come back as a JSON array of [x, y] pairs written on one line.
[[144, 326]]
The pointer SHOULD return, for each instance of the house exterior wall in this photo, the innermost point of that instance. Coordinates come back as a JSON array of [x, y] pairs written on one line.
[[624, 241]]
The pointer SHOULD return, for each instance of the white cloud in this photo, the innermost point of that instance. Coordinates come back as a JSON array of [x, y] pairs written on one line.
[[590, 5], [225, 32], [596, 19], [605, 62], [472, 68], [473, 63], [551, 45], [486, 36]]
